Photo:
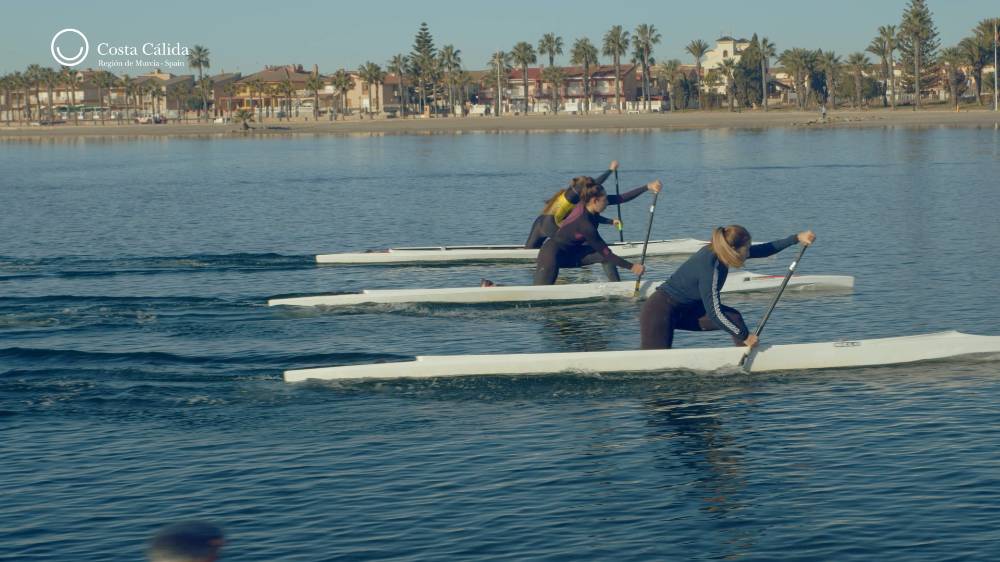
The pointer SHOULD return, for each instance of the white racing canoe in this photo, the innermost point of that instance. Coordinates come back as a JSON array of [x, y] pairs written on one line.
[[737, 282], [826, 355], [439, 254]]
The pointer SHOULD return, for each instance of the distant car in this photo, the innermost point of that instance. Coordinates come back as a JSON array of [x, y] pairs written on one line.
[[144, 120], [221, 120]]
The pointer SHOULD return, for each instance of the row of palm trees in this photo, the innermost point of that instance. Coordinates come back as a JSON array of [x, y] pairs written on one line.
[[440, 78], [18, 89], [972, 53], [583, 53]]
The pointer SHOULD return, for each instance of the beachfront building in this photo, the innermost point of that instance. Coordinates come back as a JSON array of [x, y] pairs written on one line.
[[378, 98], [726, 47], [280, 91], [570, 93], [602, 87]]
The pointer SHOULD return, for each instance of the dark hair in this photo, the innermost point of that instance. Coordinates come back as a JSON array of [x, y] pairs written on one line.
[[592, 190], [579, 183], [188, 540]]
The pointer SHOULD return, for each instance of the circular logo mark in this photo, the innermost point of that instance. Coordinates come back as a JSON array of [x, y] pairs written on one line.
[[80, 54]]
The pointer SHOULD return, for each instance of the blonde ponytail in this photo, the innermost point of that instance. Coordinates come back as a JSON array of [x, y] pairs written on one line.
[[726, 244]]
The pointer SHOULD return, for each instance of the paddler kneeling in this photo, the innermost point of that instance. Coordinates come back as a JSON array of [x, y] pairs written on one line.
[[577, 242], [562, 203], [689, 299]]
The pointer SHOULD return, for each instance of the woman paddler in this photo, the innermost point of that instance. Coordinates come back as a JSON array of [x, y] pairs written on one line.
[[577, 242], [689, 299], [562, 203]]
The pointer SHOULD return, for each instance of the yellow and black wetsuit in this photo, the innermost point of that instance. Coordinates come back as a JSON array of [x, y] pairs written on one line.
[[552, 215]]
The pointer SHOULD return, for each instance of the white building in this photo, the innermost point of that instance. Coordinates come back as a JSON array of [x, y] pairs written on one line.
[[725, 48]]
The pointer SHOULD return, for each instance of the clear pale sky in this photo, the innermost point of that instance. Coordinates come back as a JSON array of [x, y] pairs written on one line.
[[243, 36]]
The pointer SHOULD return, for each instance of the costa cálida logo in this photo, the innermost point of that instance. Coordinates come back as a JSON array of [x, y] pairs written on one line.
[[70, 47], [74, 42]]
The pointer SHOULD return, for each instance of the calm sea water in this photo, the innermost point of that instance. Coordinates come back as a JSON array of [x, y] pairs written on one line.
[[140, 369]]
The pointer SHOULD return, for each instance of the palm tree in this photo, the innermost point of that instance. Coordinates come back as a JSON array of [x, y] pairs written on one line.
[[462, 81], [198, 58], [522, 55], [5, 85], [667, 72], [33, 74], [977, 51], [52, 80], [858, 63], [156, 94], [890, 39], [500, 61], [103, 81], [584, 53], [555, 76], [830, 63], [792, 62], [147, 90], [616, 42], [128, 88], [398, 65], [71, 78], [205, 88], [286, 89], [954, 58], [646, 36], [450, 62], [550, 44], [180, 92], [343, 83], [767, 52], [697, 49], [244, 115], [379, 75], [18, 86], [229, 90], [728, 68], [879, 48], [257, 87], [365, 72], [314, 84]]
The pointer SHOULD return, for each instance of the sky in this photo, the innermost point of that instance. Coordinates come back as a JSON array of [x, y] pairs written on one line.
[[244, 36]]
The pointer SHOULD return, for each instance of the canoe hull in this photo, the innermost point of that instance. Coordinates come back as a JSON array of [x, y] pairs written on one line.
[[738, 282], [443, 254], [825, 355]]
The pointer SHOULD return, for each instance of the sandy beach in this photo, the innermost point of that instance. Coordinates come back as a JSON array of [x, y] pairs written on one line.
[[681, 120]]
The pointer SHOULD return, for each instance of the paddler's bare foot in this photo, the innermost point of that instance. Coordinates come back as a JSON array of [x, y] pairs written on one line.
[[486, 283]]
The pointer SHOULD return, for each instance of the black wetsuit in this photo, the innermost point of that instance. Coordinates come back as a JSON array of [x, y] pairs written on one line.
[[545, 225], [689, 300], [575, 244]]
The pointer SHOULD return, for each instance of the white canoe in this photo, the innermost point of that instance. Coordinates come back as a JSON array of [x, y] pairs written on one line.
[[856, 353], [438, 254], [737, 282]]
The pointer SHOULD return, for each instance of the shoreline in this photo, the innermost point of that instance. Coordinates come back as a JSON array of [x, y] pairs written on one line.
[[681, 120]]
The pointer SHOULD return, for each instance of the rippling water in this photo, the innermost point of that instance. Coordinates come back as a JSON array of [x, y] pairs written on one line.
[[140, 367]]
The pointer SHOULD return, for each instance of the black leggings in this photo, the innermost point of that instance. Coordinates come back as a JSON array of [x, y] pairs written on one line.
[[661, 316], [544, 227], [550, 259]]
